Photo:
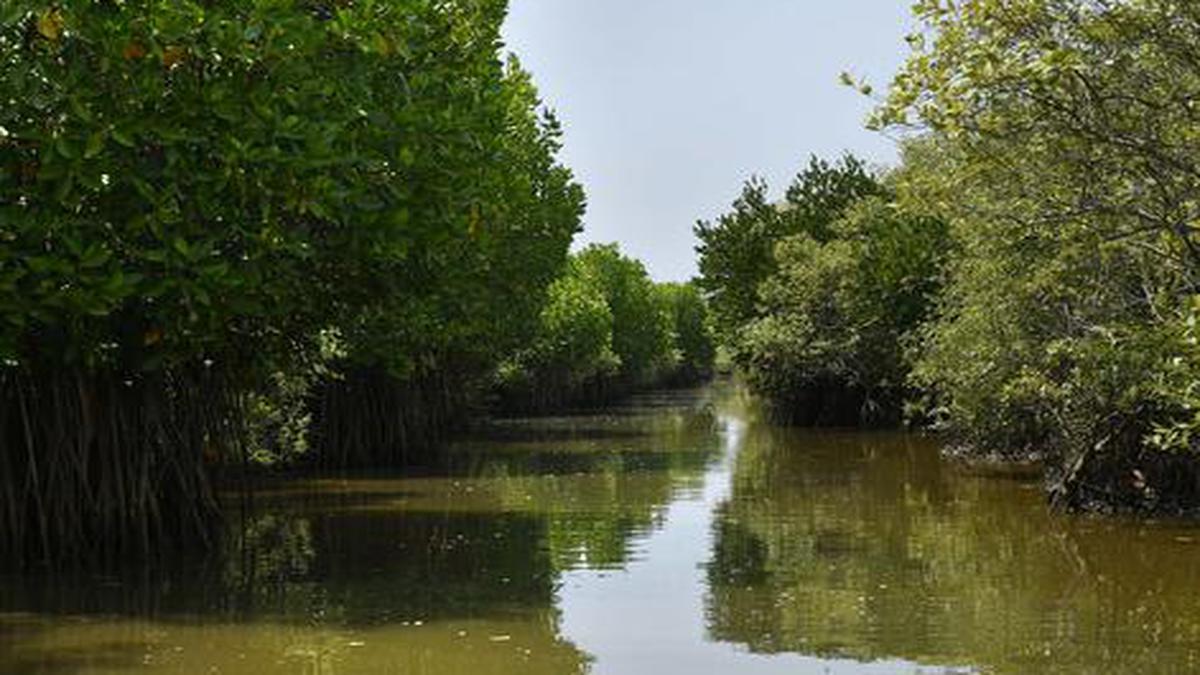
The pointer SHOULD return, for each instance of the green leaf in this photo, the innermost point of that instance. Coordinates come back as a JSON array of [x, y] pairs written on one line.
[[14, 12], [95, 145], [65, 186], [123, 138], [144, 189], [95, 256], [64, 147], [201, 296]]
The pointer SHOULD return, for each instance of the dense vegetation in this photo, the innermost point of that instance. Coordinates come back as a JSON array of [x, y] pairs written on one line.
[[293, 211], [606, 330], [283, 230], [1067, 149], [815, 296], [273, 232], [1027, 278]]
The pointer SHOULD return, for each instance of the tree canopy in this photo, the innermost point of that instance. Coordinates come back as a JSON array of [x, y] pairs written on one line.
[[1027, 277], [609, 329], [198, 199]]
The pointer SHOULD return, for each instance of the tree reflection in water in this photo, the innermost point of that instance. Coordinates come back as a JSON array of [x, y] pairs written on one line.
[[869, 546], [447, 569]]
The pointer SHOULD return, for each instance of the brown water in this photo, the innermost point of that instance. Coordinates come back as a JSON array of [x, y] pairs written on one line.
[[674, 535]]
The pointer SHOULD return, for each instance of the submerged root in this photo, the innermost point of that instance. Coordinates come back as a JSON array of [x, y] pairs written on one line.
[[836, 404], [369, 419], [1147, 482], [557, 392], [96, 467]]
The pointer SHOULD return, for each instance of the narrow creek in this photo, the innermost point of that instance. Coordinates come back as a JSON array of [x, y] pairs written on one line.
[[675, 534]]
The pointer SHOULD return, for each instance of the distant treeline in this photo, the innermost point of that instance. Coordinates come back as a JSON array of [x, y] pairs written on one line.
[[606, 330], [268, 232], [1025, 279]]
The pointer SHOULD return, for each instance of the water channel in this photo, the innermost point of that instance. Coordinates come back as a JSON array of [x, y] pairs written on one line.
[[676, 534]]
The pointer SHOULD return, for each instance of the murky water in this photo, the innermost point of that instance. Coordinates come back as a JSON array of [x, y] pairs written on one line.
[[673, 535]]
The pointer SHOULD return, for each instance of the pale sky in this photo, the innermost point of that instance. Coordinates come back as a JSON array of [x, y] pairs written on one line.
[[670, 105]]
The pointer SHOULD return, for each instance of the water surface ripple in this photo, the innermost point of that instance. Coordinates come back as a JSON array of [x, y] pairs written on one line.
[[676, 534]]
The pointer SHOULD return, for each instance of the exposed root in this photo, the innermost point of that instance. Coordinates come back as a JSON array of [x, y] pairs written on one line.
[[99, 466]]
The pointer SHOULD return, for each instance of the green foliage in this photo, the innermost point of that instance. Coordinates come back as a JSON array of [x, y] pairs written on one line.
[[694, 348], [577, 330], [1067, 166], [1177, 385], [737, 251], [735, 256], [499, 219], [607, 330], [278, 413], [829, 348], [573, 346], [192, 193], [183, 179], [642, 331], [814, 296]]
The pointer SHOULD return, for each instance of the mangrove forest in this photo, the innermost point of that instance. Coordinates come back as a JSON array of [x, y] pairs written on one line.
[[1024, 280], [316, 357]]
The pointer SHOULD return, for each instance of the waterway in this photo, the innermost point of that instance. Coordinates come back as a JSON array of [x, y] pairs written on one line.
[[675, 534]]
